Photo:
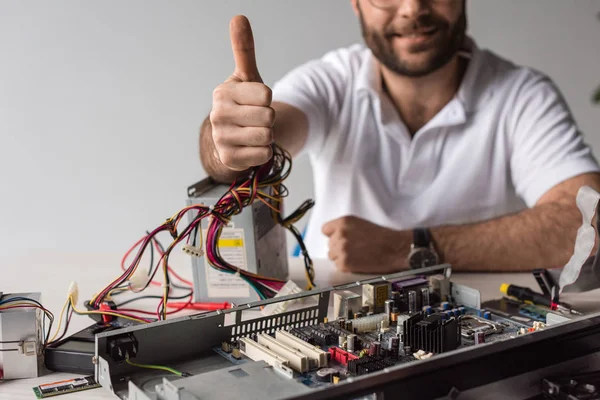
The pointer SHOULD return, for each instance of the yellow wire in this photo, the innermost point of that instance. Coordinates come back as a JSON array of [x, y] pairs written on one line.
[[62, 312], [103, 313], [159, 367]]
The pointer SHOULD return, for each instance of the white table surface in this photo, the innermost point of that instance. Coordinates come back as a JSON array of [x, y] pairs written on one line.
[[51, 273]]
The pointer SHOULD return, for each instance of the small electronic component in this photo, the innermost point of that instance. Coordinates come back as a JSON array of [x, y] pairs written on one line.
[[350, 342], [412, 301], [425, 297], [342, 341], [479, 337], [63, 387], [341, 356], [235, 353], [394, 316], [226, 347], [374, 295], [122, 347], [375, 349], [387, 308], [394, 347]]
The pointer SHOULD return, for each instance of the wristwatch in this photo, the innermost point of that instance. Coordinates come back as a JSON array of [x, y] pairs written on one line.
[[422, 252]]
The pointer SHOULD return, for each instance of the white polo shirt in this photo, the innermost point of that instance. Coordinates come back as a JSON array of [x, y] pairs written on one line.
[[504, 140]]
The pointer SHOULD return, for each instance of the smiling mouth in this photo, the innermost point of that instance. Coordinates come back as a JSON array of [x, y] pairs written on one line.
[[417, 34]]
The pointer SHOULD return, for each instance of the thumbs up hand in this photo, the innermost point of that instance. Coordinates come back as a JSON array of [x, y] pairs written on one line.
[[241, 117]]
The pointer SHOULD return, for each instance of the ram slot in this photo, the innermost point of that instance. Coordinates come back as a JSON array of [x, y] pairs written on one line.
[[312, 352], [257, 352], [297, 360]]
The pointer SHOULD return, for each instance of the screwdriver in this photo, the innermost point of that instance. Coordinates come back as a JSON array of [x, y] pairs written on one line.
[[527, 295]]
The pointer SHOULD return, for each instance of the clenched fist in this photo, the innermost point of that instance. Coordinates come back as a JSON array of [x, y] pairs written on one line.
[[242, 118], [359, 246]]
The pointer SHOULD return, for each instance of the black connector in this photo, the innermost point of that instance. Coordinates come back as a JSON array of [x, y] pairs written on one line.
[[121, 347]]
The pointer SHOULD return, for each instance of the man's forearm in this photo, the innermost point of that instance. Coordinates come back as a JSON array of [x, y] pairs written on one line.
[[540, 237], [208, 156]]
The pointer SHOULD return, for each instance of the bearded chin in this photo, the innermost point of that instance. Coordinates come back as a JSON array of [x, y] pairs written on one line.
[[382, 50]]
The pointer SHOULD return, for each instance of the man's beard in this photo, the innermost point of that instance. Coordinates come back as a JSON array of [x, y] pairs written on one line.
[[449, 41]]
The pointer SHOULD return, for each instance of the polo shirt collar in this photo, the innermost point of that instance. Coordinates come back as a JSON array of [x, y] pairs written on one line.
[[369, 77]]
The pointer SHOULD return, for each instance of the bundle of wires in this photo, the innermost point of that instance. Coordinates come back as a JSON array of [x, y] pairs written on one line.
[[265, 184], [25, 302]]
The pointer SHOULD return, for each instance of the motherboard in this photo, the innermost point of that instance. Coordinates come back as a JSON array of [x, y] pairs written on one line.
[[313, 341]]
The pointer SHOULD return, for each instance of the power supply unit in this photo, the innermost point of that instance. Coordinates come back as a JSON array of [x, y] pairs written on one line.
[[252, 241], [21, 339]]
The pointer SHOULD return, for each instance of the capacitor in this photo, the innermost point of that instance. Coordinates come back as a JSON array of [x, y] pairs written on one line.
[[412, 301], [380, 337], [455, 312], [394, 346], [449, 314], [425, 296], [326, 374], [348, 326], [341, 340], [394, 295], [427, 310], [358, 315], [364, 310], [342, 323], [445, 305], [480, 312], [388, 306], [462, 310], [407, 350], [487, 315], [350, 341], [375, 349], [479, 337], [394, 315]]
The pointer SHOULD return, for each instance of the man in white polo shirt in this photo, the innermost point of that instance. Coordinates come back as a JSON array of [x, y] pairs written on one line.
[[424, 147]]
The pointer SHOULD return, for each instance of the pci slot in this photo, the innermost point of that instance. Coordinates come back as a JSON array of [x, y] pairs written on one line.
[[297, 360], [257, 352], [312, 352]]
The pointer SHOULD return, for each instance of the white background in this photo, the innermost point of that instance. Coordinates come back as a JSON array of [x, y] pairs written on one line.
[[100, 102]]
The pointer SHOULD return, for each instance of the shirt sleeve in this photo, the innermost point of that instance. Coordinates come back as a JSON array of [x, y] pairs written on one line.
[[316, 88], [547, 147]]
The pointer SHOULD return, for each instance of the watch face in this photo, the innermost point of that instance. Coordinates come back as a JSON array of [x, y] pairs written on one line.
[[422, 258]]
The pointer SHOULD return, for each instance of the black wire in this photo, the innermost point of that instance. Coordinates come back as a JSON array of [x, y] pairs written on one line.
[[151, 256], [46, 315], [69, 314]]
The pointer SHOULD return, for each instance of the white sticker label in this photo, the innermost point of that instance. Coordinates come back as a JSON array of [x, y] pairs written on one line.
[[232, 246]]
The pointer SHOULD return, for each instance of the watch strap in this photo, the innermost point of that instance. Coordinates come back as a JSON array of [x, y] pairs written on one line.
[[421, 237]]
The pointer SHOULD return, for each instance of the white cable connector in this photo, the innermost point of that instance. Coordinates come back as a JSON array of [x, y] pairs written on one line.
[[193, 250], [73, 292], [289, 288], [139, 278]]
